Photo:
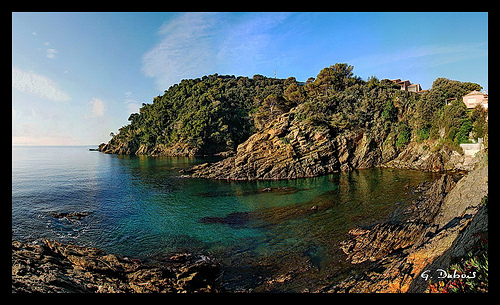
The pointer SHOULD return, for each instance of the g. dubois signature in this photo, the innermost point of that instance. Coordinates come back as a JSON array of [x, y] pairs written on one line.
[[442, 274]]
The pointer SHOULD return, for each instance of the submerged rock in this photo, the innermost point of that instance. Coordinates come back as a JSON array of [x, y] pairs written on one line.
[[235, 220], [75, 215]]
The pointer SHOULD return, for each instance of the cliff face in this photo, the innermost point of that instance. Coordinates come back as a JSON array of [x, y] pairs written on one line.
[[290, 148], [284, 150]]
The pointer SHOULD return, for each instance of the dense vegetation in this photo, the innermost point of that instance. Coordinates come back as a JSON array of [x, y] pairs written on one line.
[[215, 113]]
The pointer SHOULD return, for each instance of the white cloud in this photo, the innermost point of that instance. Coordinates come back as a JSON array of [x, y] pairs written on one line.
[[51, 53], [98, 107], [196, 44], [184, 52], [37, 85]]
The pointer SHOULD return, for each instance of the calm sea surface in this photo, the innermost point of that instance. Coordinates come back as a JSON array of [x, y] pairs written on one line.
[[269, 235]]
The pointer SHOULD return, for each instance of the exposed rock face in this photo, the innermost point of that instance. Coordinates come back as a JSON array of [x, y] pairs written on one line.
[[281, 151], [55, 267], [419, 156], [289, 148], [177, 150], [439, 228]]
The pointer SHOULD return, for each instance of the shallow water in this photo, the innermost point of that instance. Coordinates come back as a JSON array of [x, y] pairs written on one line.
[[269, 235]]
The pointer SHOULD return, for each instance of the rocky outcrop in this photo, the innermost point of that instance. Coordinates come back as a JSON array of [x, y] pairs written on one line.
[[419, 156], [290, 148], [56, 267], [177, 150], [442, 225], [286, 149], [383, 239]]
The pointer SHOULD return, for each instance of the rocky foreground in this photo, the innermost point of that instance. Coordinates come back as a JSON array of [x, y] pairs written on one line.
[[439, 227], [56, 267], [442, 227]]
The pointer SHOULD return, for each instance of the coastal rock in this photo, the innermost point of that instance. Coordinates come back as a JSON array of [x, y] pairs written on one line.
[[381, 240], [75, 215], [179, 149], [290, 148], [453, 215], [56, 267], [420, 156], [286, 149]]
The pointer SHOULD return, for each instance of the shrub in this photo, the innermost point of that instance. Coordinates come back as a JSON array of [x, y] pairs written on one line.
[[404, 136], [422, 134]]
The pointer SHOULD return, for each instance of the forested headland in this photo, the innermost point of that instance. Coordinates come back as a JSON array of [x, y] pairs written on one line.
[[216, 113]]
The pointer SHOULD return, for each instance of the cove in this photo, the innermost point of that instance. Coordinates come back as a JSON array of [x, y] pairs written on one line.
[[268, 235]]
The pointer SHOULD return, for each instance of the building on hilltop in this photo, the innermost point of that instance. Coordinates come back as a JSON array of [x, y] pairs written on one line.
[[475, 98], [407, 86]]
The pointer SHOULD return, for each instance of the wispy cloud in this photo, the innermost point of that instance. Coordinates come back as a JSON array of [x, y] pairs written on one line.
[[98, 107], [37, 85], [251, 39], [51, 53], [429, 56], [131, 104], [195, 44], [184, 51]]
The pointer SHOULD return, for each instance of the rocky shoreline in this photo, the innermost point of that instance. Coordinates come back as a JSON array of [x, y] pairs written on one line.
[[441, 228], [438, 228], [290, 148], [53, 267]]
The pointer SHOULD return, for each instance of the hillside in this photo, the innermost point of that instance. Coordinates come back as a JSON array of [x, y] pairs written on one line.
[[280, 128], [202, 116]]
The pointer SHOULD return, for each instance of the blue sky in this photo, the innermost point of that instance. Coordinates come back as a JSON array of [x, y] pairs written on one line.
[[76, 77]]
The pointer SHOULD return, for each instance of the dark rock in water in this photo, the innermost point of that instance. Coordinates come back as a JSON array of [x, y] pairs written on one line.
[[280, 190], [56, 267], [75, 215], [235, 220]]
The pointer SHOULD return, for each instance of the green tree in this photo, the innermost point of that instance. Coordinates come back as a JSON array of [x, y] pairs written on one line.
[[337, 78], [389, 112], [478, 119]]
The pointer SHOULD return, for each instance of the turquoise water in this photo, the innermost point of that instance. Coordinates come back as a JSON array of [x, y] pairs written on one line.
[[268, 235]]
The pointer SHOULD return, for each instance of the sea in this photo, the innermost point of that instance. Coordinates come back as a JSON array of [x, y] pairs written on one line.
[[269, 236]]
